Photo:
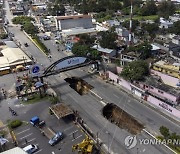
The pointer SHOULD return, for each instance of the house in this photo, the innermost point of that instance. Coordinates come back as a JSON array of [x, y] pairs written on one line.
[[165, 23], [155, 87], [176, 40], [75, 21], [167, 68], [123, 34], [175, 17], [111, 23], [127, 57], [106, 54]]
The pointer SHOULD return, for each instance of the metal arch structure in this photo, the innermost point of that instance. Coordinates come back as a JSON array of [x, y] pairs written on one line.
[[53, 70]]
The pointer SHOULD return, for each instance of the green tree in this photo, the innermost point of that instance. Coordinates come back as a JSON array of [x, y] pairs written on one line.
[[166, 8], [134, 25], [86, 39], [164, 131], [84, 50], [108, 40], [135, 70], [149, 9], [175, 28], [30, 28]]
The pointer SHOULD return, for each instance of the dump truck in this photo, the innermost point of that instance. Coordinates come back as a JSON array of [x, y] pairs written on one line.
[[41, 125]]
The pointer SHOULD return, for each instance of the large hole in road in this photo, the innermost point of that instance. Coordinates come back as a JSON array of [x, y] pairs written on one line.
[[121, 118], [79, 85]]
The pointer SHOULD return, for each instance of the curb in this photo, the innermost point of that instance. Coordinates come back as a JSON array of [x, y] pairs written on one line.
[[29, 37], [156, 109]]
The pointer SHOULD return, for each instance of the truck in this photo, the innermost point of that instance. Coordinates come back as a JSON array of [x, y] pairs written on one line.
[[41, 125]]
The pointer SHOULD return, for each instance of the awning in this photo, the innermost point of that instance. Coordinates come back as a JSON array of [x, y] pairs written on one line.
[[61, 110]]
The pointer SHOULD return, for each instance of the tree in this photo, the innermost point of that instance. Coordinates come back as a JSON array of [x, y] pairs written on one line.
[[164, 131], [86, 39], [108, 39], [134, 25], [56, 9], [30, 28], [166, 8], [149, 9], [84, 50], [135, 70], [175, 28]]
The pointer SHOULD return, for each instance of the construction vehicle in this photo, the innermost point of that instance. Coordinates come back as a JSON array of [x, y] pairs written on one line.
[[85, 147]]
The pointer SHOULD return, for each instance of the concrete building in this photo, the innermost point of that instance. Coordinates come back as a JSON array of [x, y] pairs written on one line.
[[106, 54], [167, 68], [12, 57], [69, 22]]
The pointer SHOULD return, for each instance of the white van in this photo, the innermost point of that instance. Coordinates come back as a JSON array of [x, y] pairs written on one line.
[[31, 148]]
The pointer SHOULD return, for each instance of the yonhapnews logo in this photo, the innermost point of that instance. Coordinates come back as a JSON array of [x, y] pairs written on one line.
[[131, 141]]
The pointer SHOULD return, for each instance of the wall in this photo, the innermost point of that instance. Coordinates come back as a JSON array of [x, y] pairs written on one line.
[[163, 106], [150, 99], [119, 80]]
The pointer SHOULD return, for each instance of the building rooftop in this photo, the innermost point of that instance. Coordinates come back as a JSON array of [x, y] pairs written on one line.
[[157, 83], [72, 17], [16, 150], [167, 65], [104, 50], [76, 31]]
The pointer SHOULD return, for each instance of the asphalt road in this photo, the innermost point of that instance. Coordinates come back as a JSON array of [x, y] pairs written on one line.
[[90, 108]]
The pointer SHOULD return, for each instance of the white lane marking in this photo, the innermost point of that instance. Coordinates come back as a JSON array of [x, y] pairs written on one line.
[[102, 102], [116, 95], [68, 128], [26, 136], [73, 132], [77, 137], [38, 151], [22, 131], [29, 141]]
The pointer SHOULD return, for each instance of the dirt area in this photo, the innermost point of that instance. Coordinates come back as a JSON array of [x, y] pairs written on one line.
[[122, 119], [79, 85]]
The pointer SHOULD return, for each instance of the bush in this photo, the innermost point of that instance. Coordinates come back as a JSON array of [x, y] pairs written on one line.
[[15, 123], [3, 133], [3, 36]]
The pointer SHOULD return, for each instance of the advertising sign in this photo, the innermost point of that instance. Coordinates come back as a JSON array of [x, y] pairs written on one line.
[[70, 62]]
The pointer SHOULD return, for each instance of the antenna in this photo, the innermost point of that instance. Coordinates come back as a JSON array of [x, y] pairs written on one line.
[[130, 25]]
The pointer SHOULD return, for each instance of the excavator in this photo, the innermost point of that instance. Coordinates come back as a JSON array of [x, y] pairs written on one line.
[[85, 147]]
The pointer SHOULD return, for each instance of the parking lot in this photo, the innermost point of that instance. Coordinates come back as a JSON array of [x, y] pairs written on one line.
[[27, 134]]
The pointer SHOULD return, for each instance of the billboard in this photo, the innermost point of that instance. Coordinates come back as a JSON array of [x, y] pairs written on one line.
[[70, 62]]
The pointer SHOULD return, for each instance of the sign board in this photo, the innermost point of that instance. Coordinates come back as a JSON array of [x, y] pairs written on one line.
[[35, 70], [70, 62]]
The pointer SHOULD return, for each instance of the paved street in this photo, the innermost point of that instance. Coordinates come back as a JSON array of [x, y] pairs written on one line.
[[90, 108]]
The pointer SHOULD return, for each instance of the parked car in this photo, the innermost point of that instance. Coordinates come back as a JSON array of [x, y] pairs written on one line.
[[30, 149], [45, 37], [58, 137], [27, 67]]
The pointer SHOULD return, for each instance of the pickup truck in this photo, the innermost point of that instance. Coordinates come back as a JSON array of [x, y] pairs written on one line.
[[41, 125]]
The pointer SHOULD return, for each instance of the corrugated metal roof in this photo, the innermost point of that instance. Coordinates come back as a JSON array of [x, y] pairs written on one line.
[[16, 150]]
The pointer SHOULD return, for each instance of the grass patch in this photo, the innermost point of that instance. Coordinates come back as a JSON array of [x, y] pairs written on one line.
[[40, 44], [173, 147], [14, 124], [34, 99], [152, 17], [3, 133]]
